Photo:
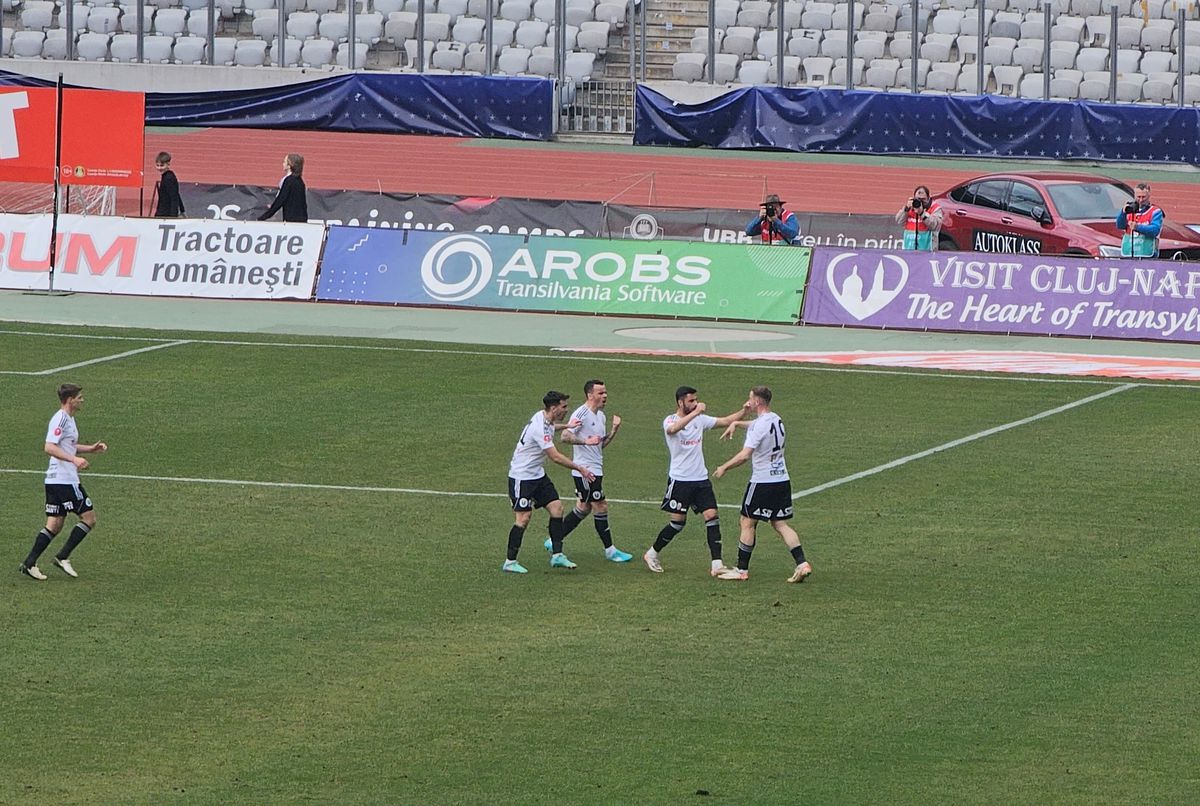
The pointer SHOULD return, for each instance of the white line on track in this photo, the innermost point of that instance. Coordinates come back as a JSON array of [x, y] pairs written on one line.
[[559, 356], [802, 494]]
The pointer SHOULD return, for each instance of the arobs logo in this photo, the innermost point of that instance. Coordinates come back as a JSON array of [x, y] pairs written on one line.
[[865, 292], [478, 263]]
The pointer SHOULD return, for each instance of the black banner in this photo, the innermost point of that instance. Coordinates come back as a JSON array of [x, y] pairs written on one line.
[[538, 217]]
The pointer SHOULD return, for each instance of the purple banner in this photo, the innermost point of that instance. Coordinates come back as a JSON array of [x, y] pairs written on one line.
[[1035, 294]]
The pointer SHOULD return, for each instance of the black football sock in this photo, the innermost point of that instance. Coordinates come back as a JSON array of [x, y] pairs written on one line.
[[744, 553], [77, 535], [798, 554], [556, 535], [39, 545], [573, 519], [514, 540], [601, 524], [713, 531], [667, 535]]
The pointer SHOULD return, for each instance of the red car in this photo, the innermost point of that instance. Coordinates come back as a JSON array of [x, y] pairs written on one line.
[[1046, 213]]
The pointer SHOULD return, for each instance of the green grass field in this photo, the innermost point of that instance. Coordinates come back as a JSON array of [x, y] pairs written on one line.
[[1012, 620]]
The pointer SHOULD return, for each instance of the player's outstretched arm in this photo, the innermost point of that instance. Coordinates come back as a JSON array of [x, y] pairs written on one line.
[[680, 424], [557, 457], [616, 426], [729, 429], [97, 447], [738, 458], [732, 418]]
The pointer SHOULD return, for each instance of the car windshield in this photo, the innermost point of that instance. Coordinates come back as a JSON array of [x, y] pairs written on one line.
[[1080, 201]]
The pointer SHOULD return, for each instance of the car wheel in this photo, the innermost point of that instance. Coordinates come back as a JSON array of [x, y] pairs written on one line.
[[946, 244]]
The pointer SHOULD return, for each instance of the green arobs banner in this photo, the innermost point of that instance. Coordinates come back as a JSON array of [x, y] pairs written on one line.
[[632, 278]]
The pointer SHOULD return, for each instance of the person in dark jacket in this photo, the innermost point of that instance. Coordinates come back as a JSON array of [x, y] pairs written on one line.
[[170, 203], [292, 197]]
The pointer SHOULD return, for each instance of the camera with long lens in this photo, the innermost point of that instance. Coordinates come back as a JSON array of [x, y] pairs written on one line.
[[770, 210], [917, 203], [1131, 207]]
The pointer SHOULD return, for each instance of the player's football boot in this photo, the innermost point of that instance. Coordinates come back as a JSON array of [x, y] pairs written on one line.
[[513, 567], [740, 574], [615, 555], [560, 561], [65, 565], [801, 573], [652, 562], [718, 568], [32, 571]]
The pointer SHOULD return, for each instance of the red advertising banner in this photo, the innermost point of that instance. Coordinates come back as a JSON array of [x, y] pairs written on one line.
[[102, 136]]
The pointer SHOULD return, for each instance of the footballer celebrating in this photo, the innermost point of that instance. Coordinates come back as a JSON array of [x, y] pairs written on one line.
[[589, 439], [688, 486], [64, 493], [769, 494], [528, 485]]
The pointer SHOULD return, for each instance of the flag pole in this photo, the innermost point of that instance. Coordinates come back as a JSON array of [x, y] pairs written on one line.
[[57, 167]]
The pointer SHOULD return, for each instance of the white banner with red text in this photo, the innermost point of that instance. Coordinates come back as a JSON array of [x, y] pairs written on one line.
[[160, 257]]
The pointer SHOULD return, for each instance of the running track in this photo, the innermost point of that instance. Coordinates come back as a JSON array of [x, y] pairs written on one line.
[[638, 176]]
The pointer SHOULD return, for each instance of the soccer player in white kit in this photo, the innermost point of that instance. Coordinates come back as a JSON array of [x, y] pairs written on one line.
[[64, 493], [688, 486], [589, 438], [528, 485], [769, 494]]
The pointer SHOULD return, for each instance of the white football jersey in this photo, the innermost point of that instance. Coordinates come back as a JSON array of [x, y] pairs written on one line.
[[765, 437], [592, 424], [536, 439], [687, 447], [63, 433]]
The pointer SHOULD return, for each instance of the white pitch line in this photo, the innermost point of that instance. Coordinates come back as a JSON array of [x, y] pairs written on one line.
[[100, 360], [579, 353], [961, 441], [452, 493]]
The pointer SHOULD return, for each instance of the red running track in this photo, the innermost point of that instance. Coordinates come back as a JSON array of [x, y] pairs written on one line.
[[641, 176]]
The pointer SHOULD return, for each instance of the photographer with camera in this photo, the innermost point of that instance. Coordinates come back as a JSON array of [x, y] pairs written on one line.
[[776, 224], [1140, 222], [922, 219]]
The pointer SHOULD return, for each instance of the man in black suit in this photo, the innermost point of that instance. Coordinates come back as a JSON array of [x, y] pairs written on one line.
[[292, 197], [170, 203]]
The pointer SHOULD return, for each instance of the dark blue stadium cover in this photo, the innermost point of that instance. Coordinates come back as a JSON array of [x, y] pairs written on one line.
[[866, 122], [519, 108]]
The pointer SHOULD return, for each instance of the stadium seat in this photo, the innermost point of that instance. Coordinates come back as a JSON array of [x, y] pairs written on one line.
[[739, 39], [1129, 32], [947, 21], [1028, 56], [320, 7], [804, 43], [1157, 62], [755, 14], [516, 10], [39, 15], [1062, 54], [1129, 88], [449, 56], [265, 24], [303, 24], [1032, 86], [793, 14], [817, 70], [342, 55], [791, 70], [129, 19], [880, 21], [1093, 90], [1128, 60], [1191, 89], [1092, 59], [171, 21], [158, 49], [1159, 91], [475, 60], [725, 13], [1067, 29], [317, 52], [513, 61], [900, 46], [593, 36], [725, 68], [410, 52], [28, 44], [904, 77], [1008, 79], [580, 66], [468, 30], [688, 67], [1064, 88], [92, 47], [999, 50], [767, 43], [943, 77], [454, 9], [532, 33], [250, 53], [882, 74], [753, 71], [101, 20], [369, 28], [541, 61], [1158, 37], [580, 11], [400, 25], [190, 50], [225, 50]]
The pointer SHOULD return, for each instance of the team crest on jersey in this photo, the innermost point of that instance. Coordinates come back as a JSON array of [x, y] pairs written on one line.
[[58, 432]]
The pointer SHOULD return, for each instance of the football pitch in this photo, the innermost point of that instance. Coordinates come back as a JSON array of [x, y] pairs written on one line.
[[294, 591]]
